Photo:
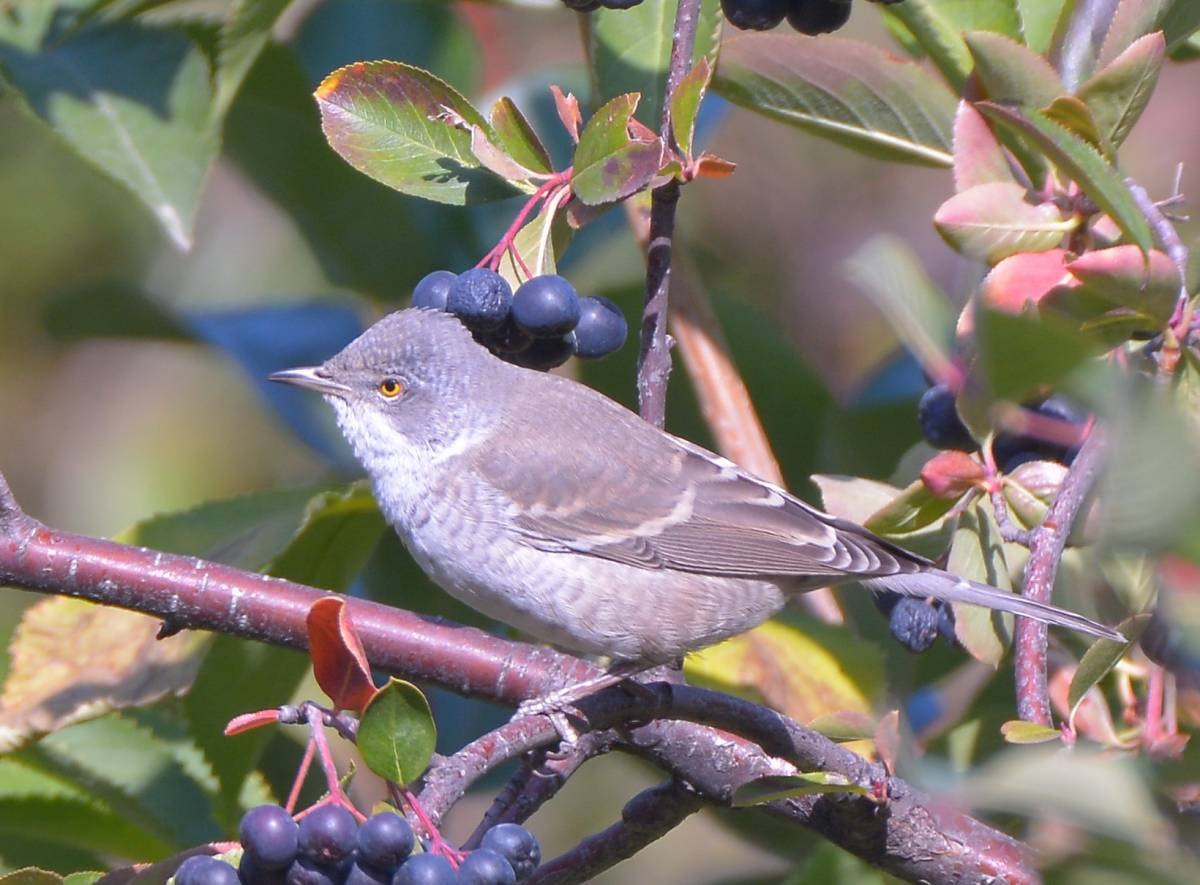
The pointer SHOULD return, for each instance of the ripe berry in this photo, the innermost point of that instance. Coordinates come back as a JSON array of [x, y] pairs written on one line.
[[250, 873], [433, 289], [914, 623], [269, 836], [384, 840], [754, 15], [508, 339], [940, 424], [516, 845], [818, 16], [601, 328], [425, 869], [305, 872], [546, 306], [360, 875], [481, 298], [545, 353], [582, 5], [621, 4], [1011, 450], [485, 867], [203, 869], [946, 623], [327, 835]]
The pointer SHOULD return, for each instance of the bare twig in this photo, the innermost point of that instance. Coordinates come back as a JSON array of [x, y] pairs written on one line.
[[1045, 550]]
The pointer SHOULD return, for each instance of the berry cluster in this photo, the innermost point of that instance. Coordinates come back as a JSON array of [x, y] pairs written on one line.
[[329, 847], [915, 623], [943, 429], [810, 17], [541, 326], [593, 5]]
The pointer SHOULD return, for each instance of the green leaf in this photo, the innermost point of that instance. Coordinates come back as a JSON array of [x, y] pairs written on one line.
[[389, 121], [844, 726], [993, 221], [608, 164], [1021, 353], [132, 101], [1132, 20], [917, 310], [630, 51], [338, 532], [913, 509], [515, 136], [809, 783], [1120, 276], [685, 104], [860, 500], [1082, 163], [1180, 24], [396, 734], [1018, 731], [31, 876], [538, 247], [1119, 92], [848, 92], [1096, 663], [1012, 73], [243, 35], [977, 554]]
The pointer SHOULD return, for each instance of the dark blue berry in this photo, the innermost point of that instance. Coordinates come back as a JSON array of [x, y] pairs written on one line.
[[384, 841], [270, 836], [1011, 450], [327, 835], [754, 15], [885, 601], [546, 306], [433, 289], [250, 873], [203, 869], [485, 867], [601, 328], [508, 339], [545, 353], [582, 5], [516, 845], [621, 4], [481, 298], [818, 16], [914, 623], [940, 424], [360, 875], [305, 872], [946, 623], [425, 869]]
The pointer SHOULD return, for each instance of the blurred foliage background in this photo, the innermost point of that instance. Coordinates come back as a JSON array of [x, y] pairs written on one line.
[[110, 412]]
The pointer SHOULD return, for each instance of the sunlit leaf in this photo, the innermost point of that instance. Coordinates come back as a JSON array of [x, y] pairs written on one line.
[[685, 104], [993, 221], [514, 134], [339, 663], [810, 783], [396, 734], [914, 508], [1118, 93], [1011, 72], [610, 165], [1018, 731], [977, 554], [978, 157], [1021, 353]]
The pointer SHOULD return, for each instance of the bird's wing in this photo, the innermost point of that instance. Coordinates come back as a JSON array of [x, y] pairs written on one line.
[[658, 502]]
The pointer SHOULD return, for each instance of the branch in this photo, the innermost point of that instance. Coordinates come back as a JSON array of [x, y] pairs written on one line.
[[916, 839], [1045, 550], [654, 354]]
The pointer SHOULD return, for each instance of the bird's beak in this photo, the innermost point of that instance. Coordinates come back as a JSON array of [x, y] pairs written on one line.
[[312, 377]]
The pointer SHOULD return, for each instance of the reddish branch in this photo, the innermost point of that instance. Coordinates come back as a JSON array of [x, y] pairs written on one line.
[[912, 837], [1045, 551]]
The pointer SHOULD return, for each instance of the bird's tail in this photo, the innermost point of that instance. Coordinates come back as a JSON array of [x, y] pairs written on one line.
[[942, 585]]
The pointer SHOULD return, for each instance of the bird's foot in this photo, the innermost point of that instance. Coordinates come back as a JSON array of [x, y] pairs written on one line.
[[559, 706]]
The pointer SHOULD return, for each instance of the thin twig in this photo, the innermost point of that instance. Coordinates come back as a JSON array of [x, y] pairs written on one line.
[[1045, 551]]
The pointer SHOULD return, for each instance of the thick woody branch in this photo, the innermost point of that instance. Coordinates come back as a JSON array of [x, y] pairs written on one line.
[[911, 837], [1045, 550]]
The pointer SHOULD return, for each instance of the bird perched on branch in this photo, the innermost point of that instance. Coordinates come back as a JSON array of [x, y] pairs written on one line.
[[544, 504]]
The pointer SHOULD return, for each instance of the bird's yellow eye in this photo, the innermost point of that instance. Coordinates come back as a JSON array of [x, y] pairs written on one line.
[[390, 388]]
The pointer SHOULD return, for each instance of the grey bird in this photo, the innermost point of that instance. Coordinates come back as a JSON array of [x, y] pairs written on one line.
[[544, 504]]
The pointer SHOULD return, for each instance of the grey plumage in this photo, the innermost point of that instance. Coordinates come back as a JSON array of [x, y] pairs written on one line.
[[548, 506]]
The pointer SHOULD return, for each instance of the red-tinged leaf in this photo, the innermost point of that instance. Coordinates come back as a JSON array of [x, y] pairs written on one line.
[[710, 166], [1122, 276], [887, 740], [1024, 279], [251, 721], [515, 135], [608, 165], [1072, 114], [1018, 731], [1011, 72], [1134, 19], [1075, 157], [398, 124], [567, 107], [951, 474], [685, 104], [1119, 92], [339, 662], [994, 220], [978, 156], [639, 131], [496, 160]]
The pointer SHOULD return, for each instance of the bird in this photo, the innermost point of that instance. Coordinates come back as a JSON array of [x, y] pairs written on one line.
[[551, 508]]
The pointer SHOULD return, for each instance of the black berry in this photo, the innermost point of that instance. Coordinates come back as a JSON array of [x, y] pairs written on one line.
[[269, 836], [914, 623], [1011, 450], [754, 15], [818, 16], [433, 289], [360, 875], [601, 328], [327, 835], [946, 623], [516, 845], [481, 298], [250, 873], [203, 869], [940, 424], [384, 841], [425, 869], [546, 306], [620, 4], [582, 5], [486, 867], [306, 872], [508, 339], [545, 353]]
